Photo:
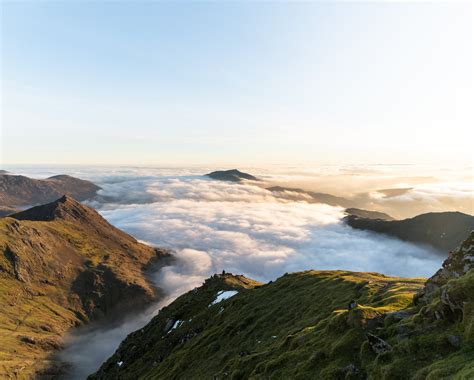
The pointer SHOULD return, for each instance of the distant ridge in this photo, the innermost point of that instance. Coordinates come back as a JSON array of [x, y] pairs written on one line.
[[442, 230], [18, 192], [314, 197], [368, 214], [232, 175]]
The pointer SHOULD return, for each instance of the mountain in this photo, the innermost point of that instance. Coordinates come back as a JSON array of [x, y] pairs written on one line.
[[62, 265], [17, 191], [368, 214], [311, 325], [442, 230], [233, 175], [311, 196]]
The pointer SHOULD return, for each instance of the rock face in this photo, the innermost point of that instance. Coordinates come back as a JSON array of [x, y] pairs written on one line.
[[63, 265], [233, 175], [442, 230], [313, 324], [458, 264], [18, 191]]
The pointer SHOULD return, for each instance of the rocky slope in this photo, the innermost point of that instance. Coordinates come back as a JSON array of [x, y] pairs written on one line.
[[17, 192], [311, 325], [442, 230], [232, 175], [63, 265]]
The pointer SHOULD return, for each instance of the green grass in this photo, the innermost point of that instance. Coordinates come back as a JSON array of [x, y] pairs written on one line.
[[295, 327]]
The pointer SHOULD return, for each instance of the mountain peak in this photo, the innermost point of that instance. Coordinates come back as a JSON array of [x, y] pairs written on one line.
[[232, 175], [65, 207]]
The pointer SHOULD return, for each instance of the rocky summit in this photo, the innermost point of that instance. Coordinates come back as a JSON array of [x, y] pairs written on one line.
[[62, 265]]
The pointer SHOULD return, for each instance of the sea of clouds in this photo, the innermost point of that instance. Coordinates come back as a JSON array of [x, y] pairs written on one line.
[[240, 228]]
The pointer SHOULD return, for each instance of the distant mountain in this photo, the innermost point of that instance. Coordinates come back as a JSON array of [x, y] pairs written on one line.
[[311, 325], [442, 230], [17, 191], [63, 265], [368, 214], [310, 196], [233, 175], [4, 172]]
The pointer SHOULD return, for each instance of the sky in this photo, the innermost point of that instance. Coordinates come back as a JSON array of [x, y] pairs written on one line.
[[181, 83]]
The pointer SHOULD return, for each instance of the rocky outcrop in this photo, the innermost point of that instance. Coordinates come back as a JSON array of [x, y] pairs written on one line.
[[443, 284]]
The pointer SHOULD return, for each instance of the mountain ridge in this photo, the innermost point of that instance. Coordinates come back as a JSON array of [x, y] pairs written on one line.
[[312, 324], [62, 265], [18, 192], [442, 230]]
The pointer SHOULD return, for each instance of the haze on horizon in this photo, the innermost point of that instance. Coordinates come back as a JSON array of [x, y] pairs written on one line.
[[251, 83]]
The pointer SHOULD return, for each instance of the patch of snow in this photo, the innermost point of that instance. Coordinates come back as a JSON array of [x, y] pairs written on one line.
[[274, 336], [120, 363], [175, 325], [223, 295]]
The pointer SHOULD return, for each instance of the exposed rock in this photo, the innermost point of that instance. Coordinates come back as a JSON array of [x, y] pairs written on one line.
[[352, 305], [458, 263], [378, 345], [454, 340]]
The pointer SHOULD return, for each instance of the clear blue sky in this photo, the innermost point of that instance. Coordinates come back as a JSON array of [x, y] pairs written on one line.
[[251, 83]]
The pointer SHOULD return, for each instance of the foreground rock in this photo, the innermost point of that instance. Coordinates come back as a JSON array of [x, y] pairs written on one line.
[[62, 265], [442, 230], [17, 191], [311, 325], [233, 175]]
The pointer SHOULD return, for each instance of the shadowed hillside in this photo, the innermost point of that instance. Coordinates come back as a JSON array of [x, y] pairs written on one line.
[[442, 230]]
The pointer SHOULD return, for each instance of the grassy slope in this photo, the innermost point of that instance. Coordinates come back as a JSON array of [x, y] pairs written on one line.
[[296, 327], [39, 308]]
